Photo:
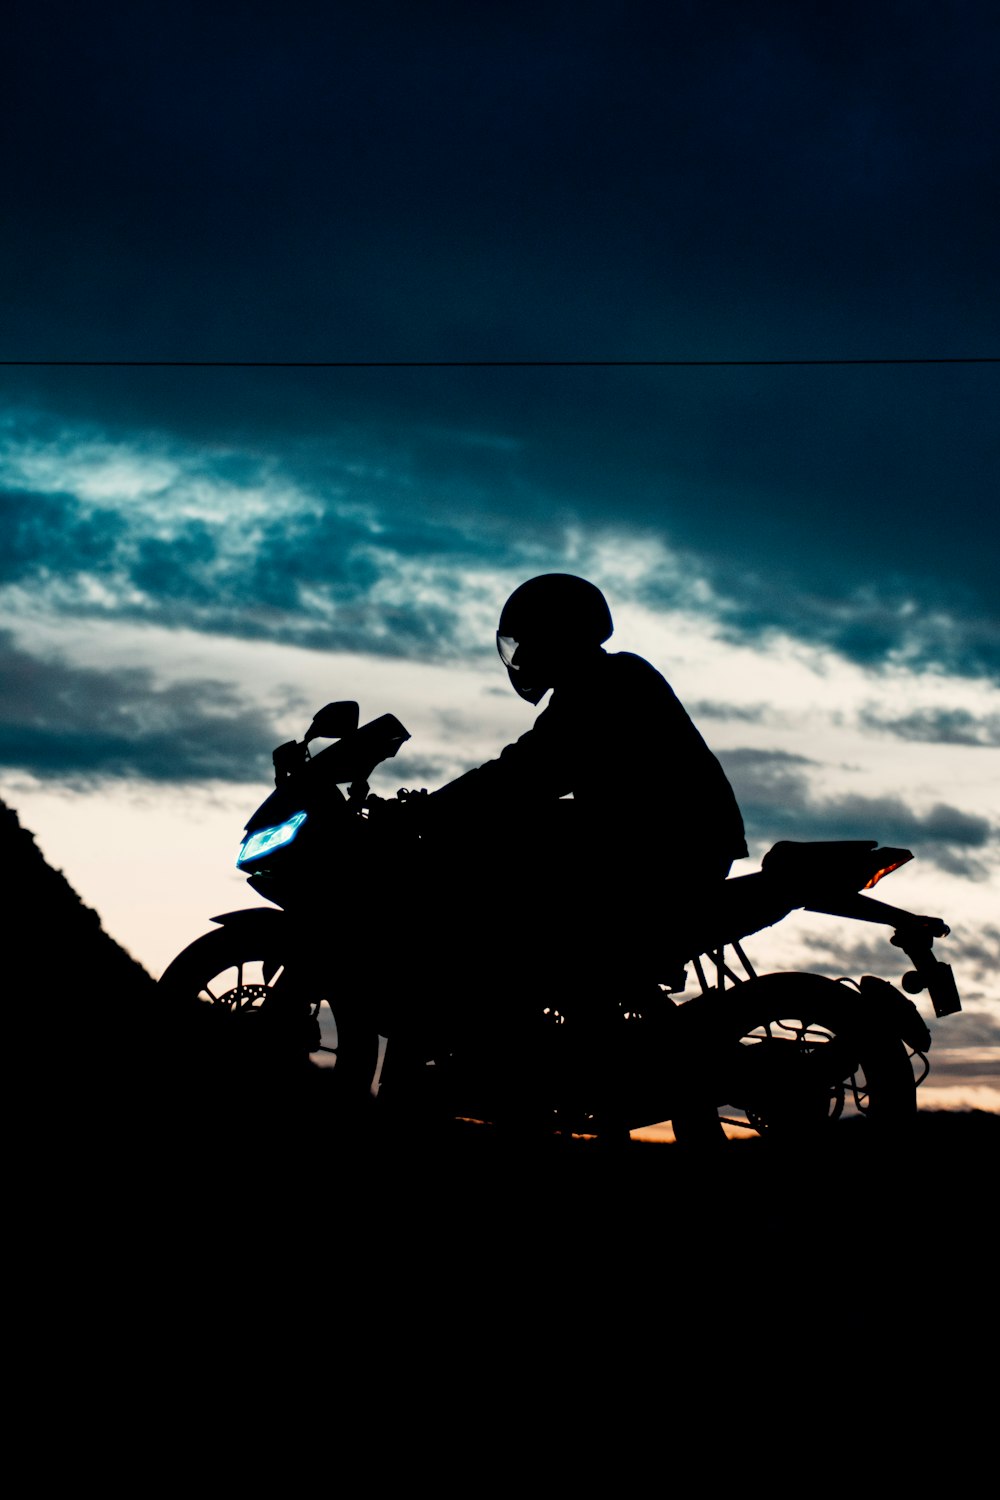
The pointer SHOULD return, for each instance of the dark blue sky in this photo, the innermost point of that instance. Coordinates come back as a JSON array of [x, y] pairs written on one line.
[[556, 181], [711, 180]]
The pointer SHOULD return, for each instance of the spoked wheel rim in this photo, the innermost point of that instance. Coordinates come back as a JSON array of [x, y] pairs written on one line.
[[236, 990], [808, 1053], [252, 1001], [797, 1076]]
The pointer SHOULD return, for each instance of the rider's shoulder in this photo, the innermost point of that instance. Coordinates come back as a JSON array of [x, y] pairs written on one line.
[[627, 667], [628, 661]]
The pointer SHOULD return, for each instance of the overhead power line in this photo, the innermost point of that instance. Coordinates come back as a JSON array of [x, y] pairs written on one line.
[[474, 364]]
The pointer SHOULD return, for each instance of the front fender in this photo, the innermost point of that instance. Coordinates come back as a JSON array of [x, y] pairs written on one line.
[[245, 925], [251, 916]]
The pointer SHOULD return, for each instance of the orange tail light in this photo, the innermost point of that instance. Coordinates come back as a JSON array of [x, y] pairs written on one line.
[[886, 870]]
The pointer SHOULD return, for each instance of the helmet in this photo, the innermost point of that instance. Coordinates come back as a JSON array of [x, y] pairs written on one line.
[[547, 622]]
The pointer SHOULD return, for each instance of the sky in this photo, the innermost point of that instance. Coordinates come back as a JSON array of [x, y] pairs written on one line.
[[193, 559]]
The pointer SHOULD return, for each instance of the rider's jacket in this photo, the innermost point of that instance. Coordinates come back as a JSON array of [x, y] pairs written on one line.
[[642, 779]]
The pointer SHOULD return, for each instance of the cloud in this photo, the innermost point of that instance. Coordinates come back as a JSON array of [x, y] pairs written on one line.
[[79, 726], [779, 801], [941, 726], [770, 785], [910, 622], [976, 1026], [372, 535], [983, 951], [973, 950], [854, 956], [50, 536], [941, 825], [345, 558], [748, 713], [416, 771]]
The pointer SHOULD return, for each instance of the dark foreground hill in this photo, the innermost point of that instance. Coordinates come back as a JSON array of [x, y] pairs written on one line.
[[56, 953]]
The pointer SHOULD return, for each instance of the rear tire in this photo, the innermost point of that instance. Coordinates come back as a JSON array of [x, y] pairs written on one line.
[[800, 1051]]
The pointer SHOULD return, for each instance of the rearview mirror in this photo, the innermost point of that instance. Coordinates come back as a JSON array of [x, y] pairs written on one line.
[[334, 721]]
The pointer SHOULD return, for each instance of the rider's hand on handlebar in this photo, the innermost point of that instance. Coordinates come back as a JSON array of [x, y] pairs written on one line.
[[400, 811]]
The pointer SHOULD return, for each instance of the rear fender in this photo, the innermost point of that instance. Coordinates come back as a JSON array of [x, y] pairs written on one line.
[[870, 1026], [878, 1009], [897, 1014]]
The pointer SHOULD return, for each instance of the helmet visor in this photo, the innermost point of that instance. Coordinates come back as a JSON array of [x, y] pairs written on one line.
[[507, 646]]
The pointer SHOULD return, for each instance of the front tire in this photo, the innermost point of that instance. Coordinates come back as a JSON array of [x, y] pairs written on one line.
[[241, 994]]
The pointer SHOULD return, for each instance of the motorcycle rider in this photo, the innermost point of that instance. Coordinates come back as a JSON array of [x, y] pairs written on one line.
[[614, 729], [606, 822]]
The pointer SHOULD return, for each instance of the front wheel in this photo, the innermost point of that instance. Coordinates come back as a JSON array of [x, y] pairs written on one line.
[[796, 1052], [242, 993]]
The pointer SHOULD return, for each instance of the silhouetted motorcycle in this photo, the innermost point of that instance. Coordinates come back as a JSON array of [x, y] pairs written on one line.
[[783, 1054]]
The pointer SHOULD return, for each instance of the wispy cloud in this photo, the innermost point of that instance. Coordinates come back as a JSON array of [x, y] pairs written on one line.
[[941, 726], [780, 800], [79, 726], [173, 538], [379, 540], [885, 627], [738, 713]]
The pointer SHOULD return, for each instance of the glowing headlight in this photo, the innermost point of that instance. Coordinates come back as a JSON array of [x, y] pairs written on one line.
[[266, 839]]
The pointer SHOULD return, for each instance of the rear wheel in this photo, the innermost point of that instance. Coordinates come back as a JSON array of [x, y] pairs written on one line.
[[799, 1052]]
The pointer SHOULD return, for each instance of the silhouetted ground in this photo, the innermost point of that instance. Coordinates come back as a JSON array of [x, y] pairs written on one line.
[[170, 1176], [230, 1214], [271, 1145]]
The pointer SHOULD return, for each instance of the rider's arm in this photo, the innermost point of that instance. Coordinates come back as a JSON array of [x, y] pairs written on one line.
[[535, 766]]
